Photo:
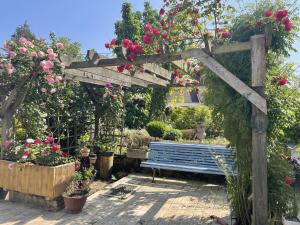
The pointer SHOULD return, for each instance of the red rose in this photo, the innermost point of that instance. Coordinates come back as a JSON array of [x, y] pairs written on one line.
[[225, 35], [137, 48], [120, 68], [287, 24], [164, 35], [54, 147], [113, 42], [268, 13], [288, 180], [158, 49], [280, 14], [107, 45], [147, 39], [126, 43], [50, 139], [64, 154], [128, 67], [283, 81], [162, 11], [155, 31], [132, 56]]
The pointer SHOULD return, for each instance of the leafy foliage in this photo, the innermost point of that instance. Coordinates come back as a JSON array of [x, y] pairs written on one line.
[[157, 128], [189, 117], [173, 135]]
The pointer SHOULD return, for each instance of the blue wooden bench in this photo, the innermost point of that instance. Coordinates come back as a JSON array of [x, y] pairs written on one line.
[[196, 158]]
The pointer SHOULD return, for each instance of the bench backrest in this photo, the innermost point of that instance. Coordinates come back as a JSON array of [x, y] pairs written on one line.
[[198, 155]]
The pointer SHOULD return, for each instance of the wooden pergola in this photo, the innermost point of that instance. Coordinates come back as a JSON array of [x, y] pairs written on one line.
[[99, 70]]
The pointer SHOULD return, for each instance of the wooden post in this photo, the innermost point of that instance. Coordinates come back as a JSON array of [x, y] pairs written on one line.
[[259, 126]]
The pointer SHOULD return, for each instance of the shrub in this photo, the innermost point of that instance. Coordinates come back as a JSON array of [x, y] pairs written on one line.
[[157, 128], [137, 139], [173, 135], [189, 117]]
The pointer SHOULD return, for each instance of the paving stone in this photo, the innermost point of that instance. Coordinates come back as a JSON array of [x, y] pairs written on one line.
[[165, 202]]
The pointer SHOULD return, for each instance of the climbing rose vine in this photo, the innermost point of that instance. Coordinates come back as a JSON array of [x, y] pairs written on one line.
[[35, 60]]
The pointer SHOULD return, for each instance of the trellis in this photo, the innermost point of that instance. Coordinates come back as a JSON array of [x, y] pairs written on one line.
[[99, 70]]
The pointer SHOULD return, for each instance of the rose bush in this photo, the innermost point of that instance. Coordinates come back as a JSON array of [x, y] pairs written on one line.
[[46, 153]]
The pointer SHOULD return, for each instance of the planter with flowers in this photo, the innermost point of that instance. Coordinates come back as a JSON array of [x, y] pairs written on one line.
[[37, 167]]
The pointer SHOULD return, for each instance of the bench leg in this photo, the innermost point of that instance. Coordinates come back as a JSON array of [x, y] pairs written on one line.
[[153, 175]]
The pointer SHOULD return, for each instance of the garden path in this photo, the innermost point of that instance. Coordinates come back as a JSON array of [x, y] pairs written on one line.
[[165, 202]]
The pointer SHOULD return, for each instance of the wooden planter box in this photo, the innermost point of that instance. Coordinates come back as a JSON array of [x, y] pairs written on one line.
[[137, 154], [45, 181]]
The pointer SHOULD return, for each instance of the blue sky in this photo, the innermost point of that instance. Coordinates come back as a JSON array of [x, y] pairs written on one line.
[[90, 22]]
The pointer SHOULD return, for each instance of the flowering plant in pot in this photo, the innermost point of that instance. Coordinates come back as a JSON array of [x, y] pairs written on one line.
[[77, 192], [41, 152]]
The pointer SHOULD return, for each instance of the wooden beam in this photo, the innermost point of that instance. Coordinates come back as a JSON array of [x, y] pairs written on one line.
[[94, 57], [229, 48], [157, 58], [259, 136], [228, 77], [90, 75], [82, 78], [158, 70]]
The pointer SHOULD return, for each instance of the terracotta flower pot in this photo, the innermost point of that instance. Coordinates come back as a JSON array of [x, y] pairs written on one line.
[[74, 204]]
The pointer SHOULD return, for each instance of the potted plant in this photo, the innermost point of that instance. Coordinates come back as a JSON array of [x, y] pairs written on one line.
[[137, 145], [77, 192], [105, 158]]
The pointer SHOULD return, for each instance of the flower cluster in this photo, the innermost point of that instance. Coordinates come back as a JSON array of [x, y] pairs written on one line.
[[288, 180], [110, 92], [280, 16], [47, 152], [280, 80], [40, 60], [223, 33]]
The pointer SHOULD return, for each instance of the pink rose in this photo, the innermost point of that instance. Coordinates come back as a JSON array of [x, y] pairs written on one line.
[[49, 64], [59, 46], [23, 40], [37, 142], [22, 50], [41, 54], [108, 85], [53, 90], [50, 51], [25, 155], [49, 79], [7, 144], [29, 43], [62, 66], [132, 56], [52, 56], [44, 90], [12, 54], [58, 78]]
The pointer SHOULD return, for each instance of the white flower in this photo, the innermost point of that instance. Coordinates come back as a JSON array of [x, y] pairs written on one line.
[[29, 141]]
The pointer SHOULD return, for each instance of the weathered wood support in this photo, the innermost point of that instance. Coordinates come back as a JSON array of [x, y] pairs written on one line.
[[259, 127], [228, 77]]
